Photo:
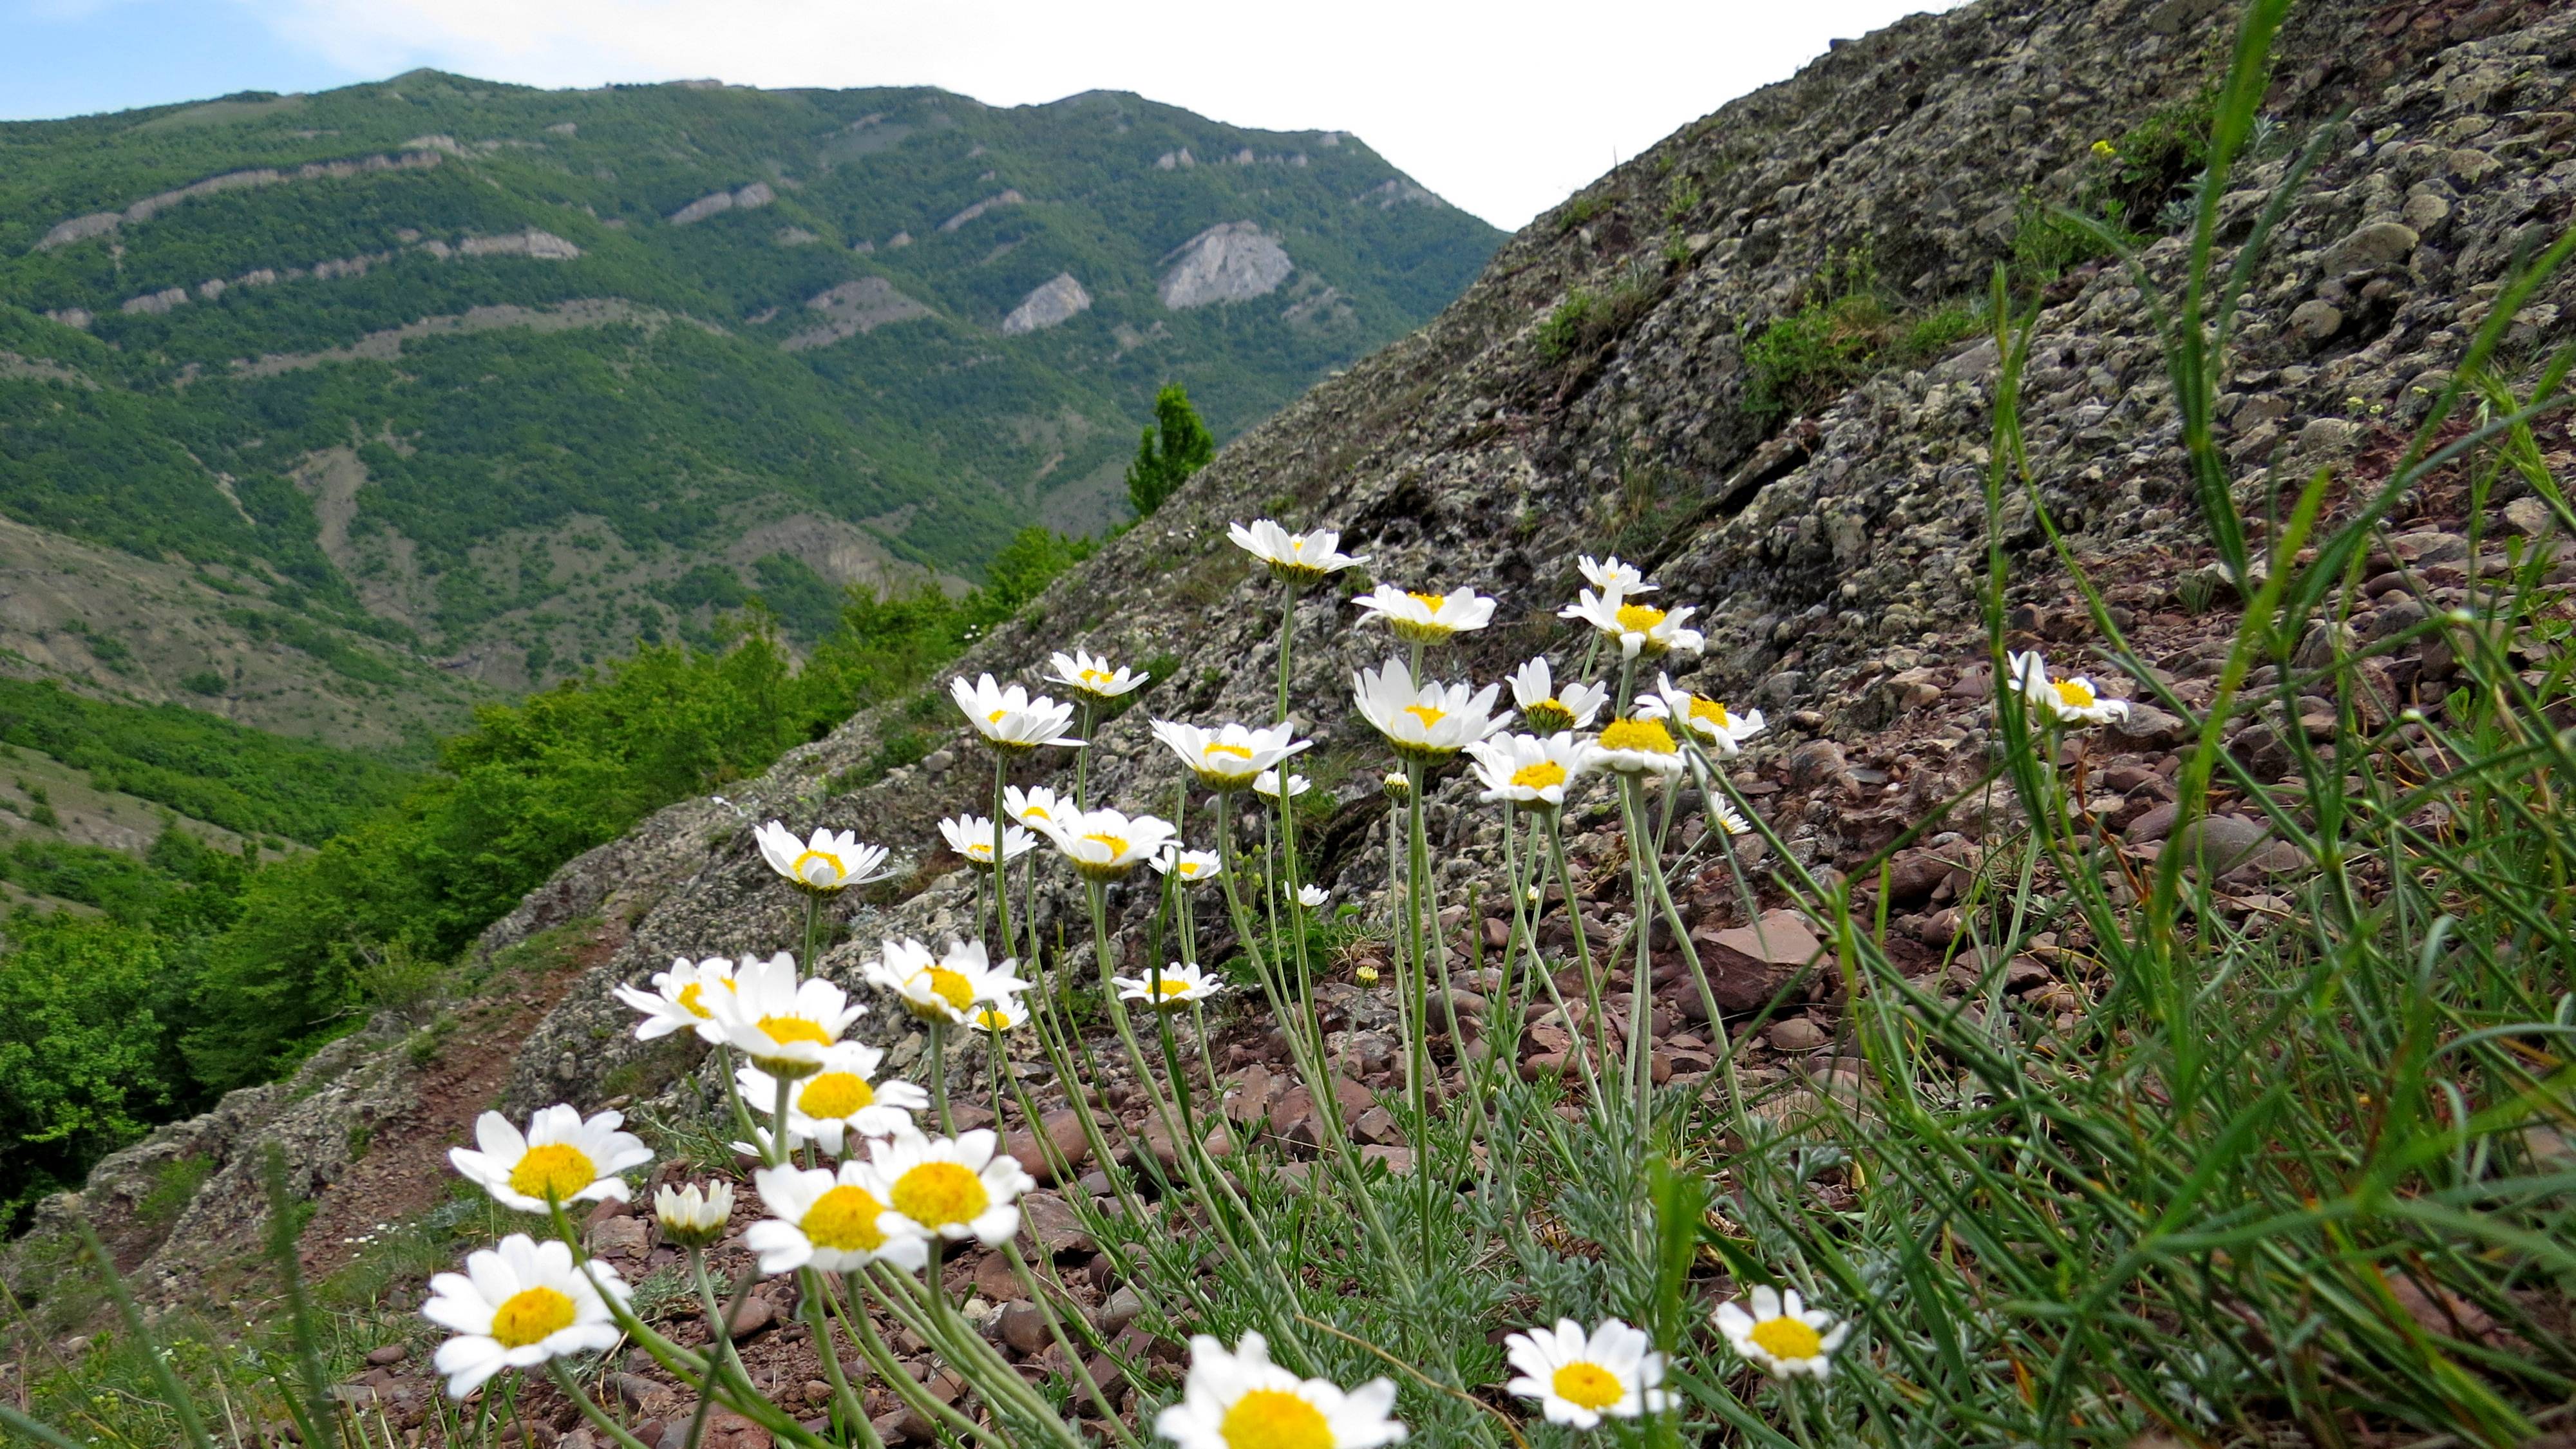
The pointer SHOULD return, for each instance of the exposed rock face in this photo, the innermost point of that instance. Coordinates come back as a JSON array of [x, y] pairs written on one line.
[[1053, 301], [851, 308], [1004, 198], [416, 155], [1833, 557], [757, 194], [1229, 262]]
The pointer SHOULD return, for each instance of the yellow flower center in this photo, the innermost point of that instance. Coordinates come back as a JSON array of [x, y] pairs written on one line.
[[936, 1194], [1274, 1419], [1708, 709], [1428, 715], [1787, 1338], [530, 1315], [1173, 986], [1431, 602], [951, 987], [1238, 751], [845, 1220], [1098, 678], [1539, 776], [838, 872], [992, 1019], [2073, 693], [1189, 869], [1035, 814], [1117, 844], [996, 716], [1588, 1386], [1638, 618], [689, 995], [1646, 735], [834, 1094], [785, 1029], [980, 850], [555, 1171]]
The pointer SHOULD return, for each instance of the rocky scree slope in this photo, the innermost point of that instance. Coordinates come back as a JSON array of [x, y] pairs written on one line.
[[510, 379], [1834, 556]]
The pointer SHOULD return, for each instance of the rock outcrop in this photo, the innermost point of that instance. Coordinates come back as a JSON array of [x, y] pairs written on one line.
[[417, 155], [1057, 299], [1232, 261], [851, 308], [757, 194]]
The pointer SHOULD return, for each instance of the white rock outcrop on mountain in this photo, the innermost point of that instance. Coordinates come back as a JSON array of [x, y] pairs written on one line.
[[851, 308], [757, 194], [417, 155], [1009, 197], [1229, 262], [1053, 301]]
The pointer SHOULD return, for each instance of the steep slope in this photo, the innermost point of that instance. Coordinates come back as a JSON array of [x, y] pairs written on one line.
[[513, 378], [1602, 387]]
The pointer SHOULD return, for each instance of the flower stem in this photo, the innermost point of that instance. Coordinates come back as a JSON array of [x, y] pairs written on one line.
[[939, 1073], [597, 1416]]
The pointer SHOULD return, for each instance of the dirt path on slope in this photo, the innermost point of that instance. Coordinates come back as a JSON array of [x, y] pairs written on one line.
[[405, 1171]]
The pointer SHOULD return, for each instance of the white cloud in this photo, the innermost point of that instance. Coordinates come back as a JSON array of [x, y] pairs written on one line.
[[1503, 109]]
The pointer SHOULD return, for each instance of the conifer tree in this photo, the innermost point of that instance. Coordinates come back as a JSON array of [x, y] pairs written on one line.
[[1169, 452]]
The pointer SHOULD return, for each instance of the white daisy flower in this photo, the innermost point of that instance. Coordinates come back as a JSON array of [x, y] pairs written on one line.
[[1230, 757], [1611, 576], [1614, 1374], [1241, 1400], [1548, 711], [1781, 1336], [1723, 816], [955, 1187], [1634, 745], [1427, 618], [1429, 721], [839, 1103], [2062, 701], [785, 1026], [1191, 866], [1009, 719], [676, 1001], [1092, 680], [1294, 558], [694, 1218], [1312, 897], [1526, 770], [1036, 807], [827, 1220], [560, 1158], [972, 837], [518, 1304], [1638, 628], [1105, 845], [1266, 784], [829, 862], [1721, 730], [945, 988], [998, 1017], [1181, 984]]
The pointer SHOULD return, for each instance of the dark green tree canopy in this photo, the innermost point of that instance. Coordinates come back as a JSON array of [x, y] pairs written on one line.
[[1176, 446]]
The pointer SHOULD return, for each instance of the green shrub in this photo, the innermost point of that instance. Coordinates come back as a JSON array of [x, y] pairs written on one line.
[[204, 681]]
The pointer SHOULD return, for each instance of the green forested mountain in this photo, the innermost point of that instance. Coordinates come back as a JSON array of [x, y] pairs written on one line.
[[334, 413]]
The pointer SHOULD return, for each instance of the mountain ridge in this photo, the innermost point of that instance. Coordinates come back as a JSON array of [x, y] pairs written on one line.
[[407, 349]]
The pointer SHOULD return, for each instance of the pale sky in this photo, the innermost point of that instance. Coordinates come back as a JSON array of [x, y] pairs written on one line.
[[1504, 109]]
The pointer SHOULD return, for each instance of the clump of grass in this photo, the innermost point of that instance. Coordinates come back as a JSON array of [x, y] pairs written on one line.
[[1846, 330]]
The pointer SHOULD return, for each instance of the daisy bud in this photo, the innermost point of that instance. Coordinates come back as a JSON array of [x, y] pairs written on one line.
[[1398, 789], [694, 1218]]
